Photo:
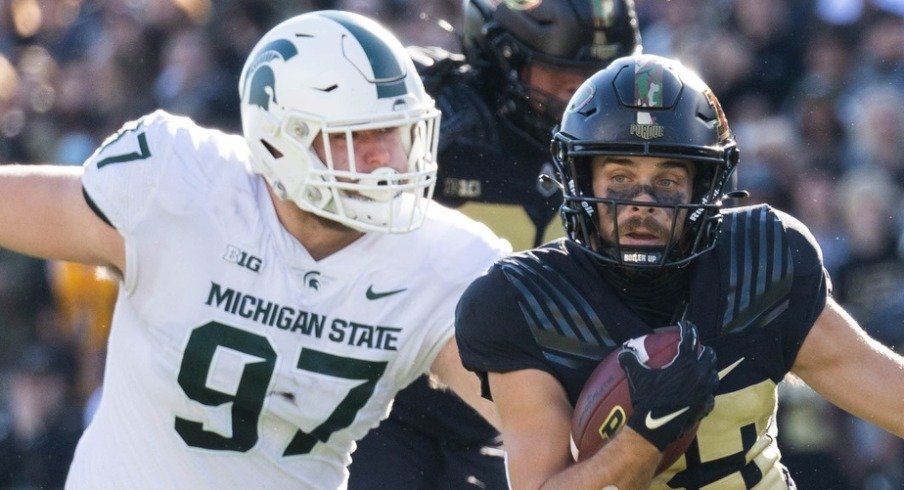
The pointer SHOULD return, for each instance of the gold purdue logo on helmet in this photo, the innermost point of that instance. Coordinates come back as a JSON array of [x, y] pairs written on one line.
[[647, 131], [613, 422], [645, 127]]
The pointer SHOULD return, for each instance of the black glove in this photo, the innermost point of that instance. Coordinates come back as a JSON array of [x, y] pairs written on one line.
[[669, 401]]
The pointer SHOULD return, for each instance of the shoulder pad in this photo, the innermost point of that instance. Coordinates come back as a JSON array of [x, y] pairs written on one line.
[[758, 259], [461, 247], [160, 160]]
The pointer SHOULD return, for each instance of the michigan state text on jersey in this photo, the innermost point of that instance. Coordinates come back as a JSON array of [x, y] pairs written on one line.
[[284, 363], [277, 289]]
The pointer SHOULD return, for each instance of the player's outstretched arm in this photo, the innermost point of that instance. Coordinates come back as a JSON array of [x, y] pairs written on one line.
[[448, 368], [536, 425], [853, 371], [44, 213]]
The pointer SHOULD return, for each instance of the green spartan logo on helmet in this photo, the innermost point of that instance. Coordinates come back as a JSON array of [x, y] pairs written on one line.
[[261, 75]]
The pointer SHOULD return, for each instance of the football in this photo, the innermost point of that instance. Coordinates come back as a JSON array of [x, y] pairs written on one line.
[[604, 405]]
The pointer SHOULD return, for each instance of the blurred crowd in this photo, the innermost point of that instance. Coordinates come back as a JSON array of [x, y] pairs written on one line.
[[814, 90]]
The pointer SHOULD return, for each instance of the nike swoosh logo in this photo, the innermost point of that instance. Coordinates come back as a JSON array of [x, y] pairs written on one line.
[[728, 369], [655, 423], [374, 295]]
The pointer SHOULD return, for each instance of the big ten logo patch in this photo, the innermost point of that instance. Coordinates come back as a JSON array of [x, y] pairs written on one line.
[[242, 258]]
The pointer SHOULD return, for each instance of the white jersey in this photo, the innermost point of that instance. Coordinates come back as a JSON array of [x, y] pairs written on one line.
[[235, 359]]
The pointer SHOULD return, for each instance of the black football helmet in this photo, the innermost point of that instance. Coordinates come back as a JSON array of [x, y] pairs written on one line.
[[645, 105], [502, 38]]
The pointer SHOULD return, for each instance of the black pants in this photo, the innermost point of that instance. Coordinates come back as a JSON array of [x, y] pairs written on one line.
[[403, 455]]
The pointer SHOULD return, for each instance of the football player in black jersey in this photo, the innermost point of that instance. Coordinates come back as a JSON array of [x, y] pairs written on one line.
[[644, 154], [500, 100]]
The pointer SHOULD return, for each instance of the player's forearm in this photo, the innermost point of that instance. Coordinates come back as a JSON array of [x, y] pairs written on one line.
[[628, 462], [26, 192], [448, 369], [853, 371]]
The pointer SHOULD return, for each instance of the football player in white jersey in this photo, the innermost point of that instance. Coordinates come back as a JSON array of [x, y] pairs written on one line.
[[277, 290]]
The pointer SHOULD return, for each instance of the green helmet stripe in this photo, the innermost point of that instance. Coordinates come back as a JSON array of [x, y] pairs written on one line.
[[389, 77], [648, 82]]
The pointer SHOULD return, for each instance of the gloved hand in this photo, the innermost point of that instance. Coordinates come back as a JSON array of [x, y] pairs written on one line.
[[670, 400]]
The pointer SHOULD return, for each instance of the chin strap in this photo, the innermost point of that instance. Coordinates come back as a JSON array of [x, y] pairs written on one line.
[[641, 256]]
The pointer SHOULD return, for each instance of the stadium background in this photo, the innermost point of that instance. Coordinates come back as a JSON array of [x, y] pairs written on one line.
[[814, 90]]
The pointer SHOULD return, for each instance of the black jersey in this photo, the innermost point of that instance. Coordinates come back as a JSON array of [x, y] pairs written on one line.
[[485, 162], [753, 298]]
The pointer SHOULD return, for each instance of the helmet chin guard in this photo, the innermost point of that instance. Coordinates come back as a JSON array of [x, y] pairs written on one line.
[[330, 74]]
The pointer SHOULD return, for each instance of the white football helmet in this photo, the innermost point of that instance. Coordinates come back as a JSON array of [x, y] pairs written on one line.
[[325, 73]]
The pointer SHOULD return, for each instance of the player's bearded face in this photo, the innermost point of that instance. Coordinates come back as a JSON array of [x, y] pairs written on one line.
[[641, 179]]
